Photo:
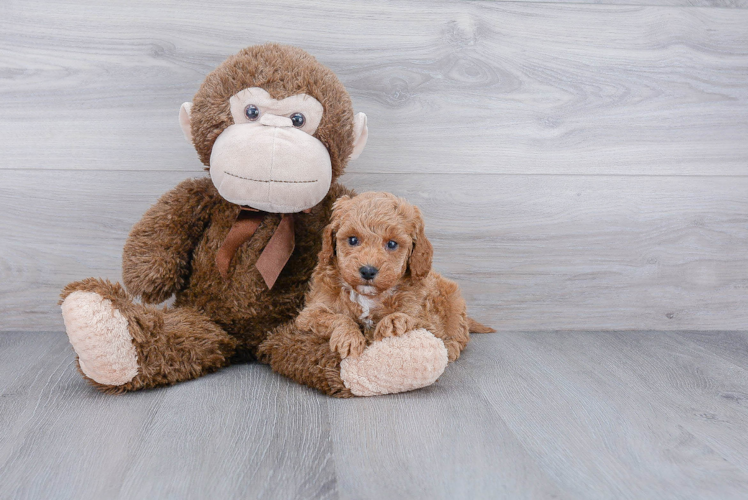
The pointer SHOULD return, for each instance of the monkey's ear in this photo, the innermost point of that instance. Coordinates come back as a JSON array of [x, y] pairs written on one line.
[[184, 120], [360, 134]]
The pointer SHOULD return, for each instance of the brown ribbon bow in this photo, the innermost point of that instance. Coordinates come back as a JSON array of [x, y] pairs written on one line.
[[274, 256]]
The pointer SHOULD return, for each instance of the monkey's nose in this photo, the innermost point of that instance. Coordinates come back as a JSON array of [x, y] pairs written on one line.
[[272, 120], [368, 272]]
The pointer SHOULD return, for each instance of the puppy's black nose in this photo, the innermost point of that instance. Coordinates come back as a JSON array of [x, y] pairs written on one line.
[[368, 272]]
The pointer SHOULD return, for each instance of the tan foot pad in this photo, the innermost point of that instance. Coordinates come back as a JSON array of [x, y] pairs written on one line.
[[100, 337], [396, 364]]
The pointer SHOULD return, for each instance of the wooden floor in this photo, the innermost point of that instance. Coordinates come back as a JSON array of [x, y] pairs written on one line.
[[521, 415]]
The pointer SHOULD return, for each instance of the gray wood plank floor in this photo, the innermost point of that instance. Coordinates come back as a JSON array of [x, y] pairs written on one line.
[[521, 415]]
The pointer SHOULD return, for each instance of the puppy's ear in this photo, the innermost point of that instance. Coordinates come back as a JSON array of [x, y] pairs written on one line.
[[328, 234], [422, 253], [339, 206], [328, 246]]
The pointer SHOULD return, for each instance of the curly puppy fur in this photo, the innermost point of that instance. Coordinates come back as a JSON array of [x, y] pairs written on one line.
[[172, 249], [352, 309]]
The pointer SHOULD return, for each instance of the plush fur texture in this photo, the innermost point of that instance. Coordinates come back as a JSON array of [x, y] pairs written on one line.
[[304, 358], [282, 71], [241, 304], [396, 364], [410, 361], [215, 321], [172, 250], [171, 344], [381, 231], [105, 348], [394, 333]]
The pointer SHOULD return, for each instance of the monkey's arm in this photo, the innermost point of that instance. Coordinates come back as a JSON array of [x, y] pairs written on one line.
[[156, 257]]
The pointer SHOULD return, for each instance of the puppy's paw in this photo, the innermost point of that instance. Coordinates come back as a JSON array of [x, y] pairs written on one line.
[[454, 349], [347, 341], [394, 325]]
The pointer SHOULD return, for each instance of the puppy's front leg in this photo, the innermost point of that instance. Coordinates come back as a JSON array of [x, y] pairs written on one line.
[[344, 333], [347, 340], [395, 324]]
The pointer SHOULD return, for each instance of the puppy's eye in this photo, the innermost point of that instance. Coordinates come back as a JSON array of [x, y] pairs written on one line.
[[392, 245], [298, 120], [352, 241], [252, 112]]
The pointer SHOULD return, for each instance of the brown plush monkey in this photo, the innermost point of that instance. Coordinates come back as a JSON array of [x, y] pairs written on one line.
[[276, 128]]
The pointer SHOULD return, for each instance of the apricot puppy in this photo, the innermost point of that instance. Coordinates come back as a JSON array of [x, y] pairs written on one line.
[[374, 280]]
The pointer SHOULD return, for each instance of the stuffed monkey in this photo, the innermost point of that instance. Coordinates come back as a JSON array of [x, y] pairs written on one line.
[[275, 129]]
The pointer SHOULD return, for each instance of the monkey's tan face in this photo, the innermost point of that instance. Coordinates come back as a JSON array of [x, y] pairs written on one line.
[[275, 127], [269, 159]]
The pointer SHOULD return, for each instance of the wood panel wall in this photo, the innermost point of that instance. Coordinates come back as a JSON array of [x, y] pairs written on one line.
[[581, 165]]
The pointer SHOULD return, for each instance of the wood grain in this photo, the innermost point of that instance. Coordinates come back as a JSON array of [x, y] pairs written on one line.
[[263, 436], [488, 87], [589, 252], [552, 252], [582, 415], [732, 346], [244, 431], [729, 4], [447, 443], [620, 414]]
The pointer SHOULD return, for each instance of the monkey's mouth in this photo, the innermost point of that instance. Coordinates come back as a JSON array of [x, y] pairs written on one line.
[[269, 180]]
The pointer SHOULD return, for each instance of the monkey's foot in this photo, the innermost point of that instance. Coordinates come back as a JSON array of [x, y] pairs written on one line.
[[395, 364], [100, 337]]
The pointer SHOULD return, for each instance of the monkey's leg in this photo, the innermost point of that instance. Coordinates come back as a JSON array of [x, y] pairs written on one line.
[[124, 346], [395, 364], [305, 358]]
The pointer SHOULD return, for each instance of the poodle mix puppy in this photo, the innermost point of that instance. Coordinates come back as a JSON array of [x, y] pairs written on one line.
[[374, 280]]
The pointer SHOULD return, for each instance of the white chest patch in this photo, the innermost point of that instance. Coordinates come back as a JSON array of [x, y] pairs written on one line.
[[368, 304]]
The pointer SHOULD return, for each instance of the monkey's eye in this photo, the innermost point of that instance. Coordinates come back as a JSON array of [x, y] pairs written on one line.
[[392, 245], [298, 120], [251, 112], [352, 241]]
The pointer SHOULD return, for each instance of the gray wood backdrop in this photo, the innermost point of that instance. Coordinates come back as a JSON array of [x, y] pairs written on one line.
[[581, 165]]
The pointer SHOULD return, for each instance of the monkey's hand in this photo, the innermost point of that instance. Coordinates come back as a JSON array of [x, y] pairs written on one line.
[[394, 325], [156, 257]]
